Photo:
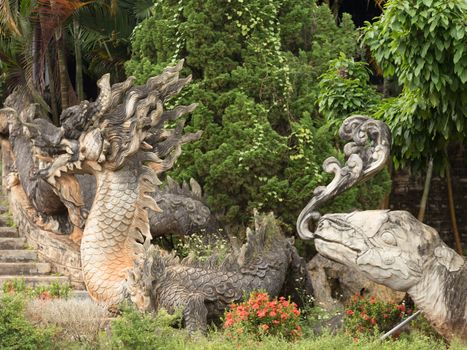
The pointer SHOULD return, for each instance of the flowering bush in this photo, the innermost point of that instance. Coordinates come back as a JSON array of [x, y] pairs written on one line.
[[368, 315], [53, 290], [260, 316]]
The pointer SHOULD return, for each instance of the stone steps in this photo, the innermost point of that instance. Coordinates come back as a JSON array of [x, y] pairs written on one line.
[[8, 232], [7, 243], [24, 268], [19, 263], [17, 255], [34, 281], [80, 294]]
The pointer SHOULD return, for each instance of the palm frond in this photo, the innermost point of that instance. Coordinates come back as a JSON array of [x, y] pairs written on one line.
[[8, 24]]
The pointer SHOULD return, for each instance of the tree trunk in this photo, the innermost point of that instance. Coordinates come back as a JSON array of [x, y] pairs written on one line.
[[36, 40], [52, 88], [452, 211], [384, 204], [62, 69], [426, 191], [79, 60]]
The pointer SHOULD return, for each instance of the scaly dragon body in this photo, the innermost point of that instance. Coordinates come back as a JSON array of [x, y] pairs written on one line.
[[106, 250], [123, 141]]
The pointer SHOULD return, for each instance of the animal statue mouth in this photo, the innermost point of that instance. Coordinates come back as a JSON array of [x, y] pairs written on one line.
[[335, 234]]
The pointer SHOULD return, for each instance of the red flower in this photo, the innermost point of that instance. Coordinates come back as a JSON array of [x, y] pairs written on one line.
[[401, 307], [45, 295], [385, 315], [349, 312], [261, 313], [296, 312], [373, 321], [265, 327], [228, 322], [272, 314]]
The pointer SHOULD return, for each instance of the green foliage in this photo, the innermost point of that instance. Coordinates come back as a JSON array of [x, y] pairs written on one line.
[[18, 333], [53, 290], [371, 316], [201, 246], [308, 62], [422, 43], [256, 66], [344, 90], [2, 81], [135, 330]]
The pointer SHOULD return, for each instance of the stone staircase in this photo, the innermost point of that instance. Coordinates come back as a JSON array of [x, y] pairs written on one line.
[[19, 262]]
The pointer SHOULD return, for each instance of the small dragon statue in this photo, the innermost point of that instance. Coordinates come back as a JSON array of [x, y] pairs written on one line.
[[390, 247], [126, 140]]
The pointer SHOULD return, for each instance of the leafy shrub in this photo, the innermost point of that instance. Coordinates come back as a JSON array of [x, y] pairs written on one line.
[[260, 316], [135, 330], [53, 290], [422, 44], [16, 332], [344, 90], [256, 67], [202, 246], [368, 315]]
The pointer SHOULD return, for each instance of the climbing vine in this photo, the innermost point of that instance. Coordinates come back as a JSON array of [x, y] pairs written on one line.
[[256, 67]]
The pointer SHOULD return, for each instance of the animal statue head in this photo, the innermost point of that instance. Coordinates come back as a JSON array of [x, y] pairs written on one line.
[[124, 120], [389, 247]]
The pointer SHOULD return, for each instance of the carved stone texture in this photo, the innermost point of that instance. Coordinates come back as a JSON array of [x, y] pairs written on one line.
[[60, 252], [204, 290], [123, 140], [390, 248], [184, 211], [395, 249], [334, 284], [68, 198], [366, 154]]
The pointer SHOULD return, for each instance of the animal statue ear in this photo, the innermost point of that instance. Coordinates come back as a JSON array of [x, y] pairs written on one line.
[[448, 258]]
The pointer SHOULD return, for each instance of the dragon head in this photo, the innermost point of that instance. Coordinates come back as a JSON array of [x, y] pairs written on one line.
[[390, 247], [106, 133]]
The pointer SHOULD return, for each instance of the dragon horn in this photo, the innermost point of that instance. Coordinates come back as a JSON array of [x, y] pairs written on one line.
[[363, 160]]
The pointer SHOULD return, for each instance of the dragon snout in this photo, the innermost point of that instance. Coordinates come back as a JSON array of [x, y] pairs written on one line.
[[334, 229]]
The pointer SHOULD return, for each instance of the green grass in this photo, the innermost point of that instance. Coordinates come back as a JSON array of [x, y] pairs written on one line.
[[178, 340], [137, 331]]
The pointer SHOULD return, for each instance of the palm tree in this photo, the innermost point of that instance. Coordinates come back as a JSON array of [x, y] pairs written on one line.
[[38, 37]]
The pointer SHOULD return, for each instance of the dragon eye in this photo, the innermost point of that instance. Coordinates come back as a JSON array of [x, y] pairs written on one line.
[[388, 238]]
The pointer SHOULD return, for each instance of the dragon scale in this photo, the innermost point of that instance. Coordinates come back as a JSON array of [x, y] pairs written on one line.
[[125, 140], [117, 222]]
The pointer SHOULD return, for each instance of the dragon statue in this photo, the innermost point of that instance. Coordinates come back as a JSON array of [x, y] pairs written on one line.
[[390, 247], [184, 210], [120, 144]]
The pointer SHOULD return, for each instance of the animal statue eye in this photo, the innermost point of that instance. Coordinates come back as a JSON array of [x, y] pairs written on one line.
[[388, 238]]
